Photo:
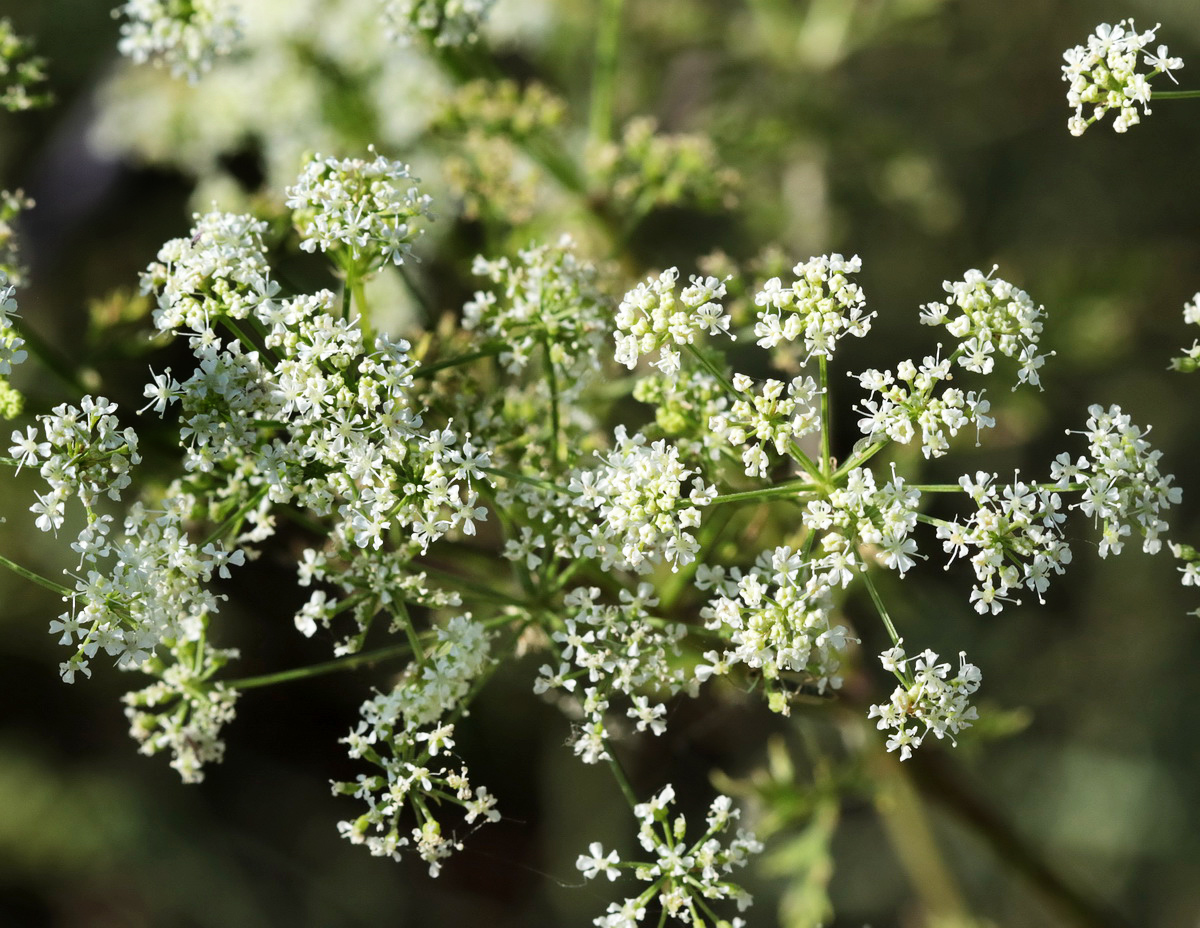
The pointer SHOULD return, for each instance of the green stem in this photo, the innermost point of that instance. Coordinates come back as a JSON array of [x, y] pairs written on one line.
[[858, 460], [712, 369], [35, 578], [604, 72], [234, 517], [883, 613], [240, 333], [955, 488], [619, 774], [1175, 95], [410, 631], [50, 358], [470, 587], [791, 488], [334, 666], [532, 481], [358, 294], [316, 670], [428, 370], [826, 418], [555, 424]]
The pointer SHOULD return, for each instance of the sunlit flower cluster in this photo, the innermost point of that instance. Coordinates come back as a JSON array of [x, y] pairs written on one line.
[[652, 318], [644, 509], [767, 418], [362, 211], [930, 697], [819, 308], [1104, 75]]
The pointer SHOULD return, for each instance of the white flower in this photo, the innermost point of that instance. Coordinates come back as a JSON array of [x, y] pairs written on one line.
[[596, 862]]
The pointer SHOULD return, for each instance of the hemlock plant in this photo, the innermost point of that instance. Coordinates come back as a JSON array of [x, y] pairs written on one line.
[[592, 541]]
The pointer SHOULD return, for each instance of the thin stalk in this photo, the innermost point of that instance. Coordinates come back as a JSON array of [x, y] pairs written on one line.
[[1175, 95], [826, 418], [240, 333], [555, 424], [234, 516], [956, 488], [604, 72], [769, 492], [428, 370], [619, 774], [35, 578], [712, 369], [316, 670], [858, 460], [358, 295], [410, 631], [50, 358], [883, 613], [532, 481], [791, 488], [470, 587]]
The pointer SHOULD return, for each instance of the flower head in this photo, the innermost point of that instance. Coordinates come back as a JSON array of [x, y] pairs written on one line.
[[1104, 75]]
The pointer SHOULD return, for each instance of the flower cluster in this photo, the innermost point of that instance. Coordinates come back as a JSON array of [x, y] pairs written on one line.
[[777, 618], [1122, 486], [546, 300], [615, 651], [928, 695], [902, 406], [219, 271], [84, 453], [822, 306], [12, 350], [684, 877], [652, 318], [642, 515], [994, 316], [408, 733], [185, 37], [321, 421], [21, 72], [443, 22], [1015, 536], [1104, 75], [184, 712], [862, 513], [767, 418], [362, 211]]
